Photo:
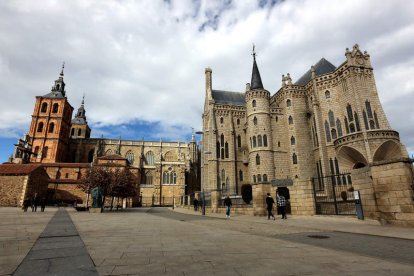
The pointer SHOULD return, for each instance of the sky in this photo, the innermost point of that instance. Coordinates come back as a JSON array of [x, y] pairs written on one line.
[[141, 64]]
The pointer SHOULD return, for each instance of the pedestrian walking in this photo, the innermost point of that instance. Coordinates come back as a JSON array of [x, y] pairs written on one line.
[[281, 204], [269, 202], [195, 204], [227, 203], [34, 202], [42, 204], [26, 204]]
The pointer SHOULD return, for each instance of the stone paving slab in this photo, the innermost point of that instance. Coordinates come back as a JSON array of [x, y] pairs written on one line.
[[58, 251]]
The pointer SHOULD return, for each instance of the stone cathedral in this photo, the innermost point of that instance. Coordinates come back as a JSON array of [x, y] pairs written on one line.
[[329, 121]]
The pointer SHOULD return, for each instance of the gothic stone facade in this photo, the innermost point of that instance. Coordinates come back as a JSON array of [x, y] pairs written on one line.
[[65, 149], [327, 122]]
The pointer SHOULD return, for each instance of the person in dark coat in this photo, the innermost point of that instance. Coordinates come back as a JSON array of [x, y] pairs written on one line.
[[42, 203], [195, 204], [35, 203], [227, 203], [269, 203], [26, 204]]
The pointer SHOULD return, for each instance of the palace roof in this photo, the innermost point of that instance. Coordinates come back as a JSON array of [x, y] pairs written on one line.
[[321, 67]]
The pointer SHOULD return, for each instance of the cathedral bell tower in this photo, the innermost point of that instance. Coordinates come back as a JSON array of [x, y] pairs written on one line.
[[49, 130], [80, 128], [259, 133]]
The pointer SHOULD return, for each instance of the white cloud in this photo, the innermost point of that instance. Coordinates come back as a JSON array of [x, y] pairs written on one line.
[[145, 60]]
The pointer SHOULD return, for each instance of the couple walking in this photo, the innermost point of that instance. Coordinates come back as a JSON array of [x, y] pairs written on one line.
[[281, 204]]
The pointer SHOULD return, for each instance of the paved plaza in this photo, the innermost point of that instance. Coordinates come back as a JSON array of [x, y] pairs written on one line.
[[160, 241]]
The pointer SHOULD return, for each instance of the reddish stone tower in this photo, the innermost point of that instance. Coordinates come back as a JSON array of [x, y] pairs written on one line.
[[51, 121]]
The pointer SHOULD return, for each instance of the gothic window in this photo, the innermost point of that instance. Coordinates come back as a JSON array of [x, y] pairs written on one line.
[[239, 141], [259, 178], [148, 177], [241, 175], [222, 153], [255, 121], [238, 121], [288, 103], [376, 120], [90, 155], [79, 132], [351, 127], [251, 144], [364, 116], [265, 140], [169, 156], [108, 152], [218, 150], [72, 132], [290, 120], [40, 127], [165, 178], [51, 127], [254, 141], [349, 112], [333, 134], [257, 159], [45, 151], [372, 124], [221, 120], [265, 178], [357, 122], [292, 140], [277, 119], [368, 107], [254, 179], [36, 151], [222, 140], [226, 149], [327, 132], [259, 140], [278, 144], [130, 157], [173, 178], [339, 127], [223, 174], [44, 107], [346, 125], [55, 108], [149, 158], [331, 118], [254, 103], [327, 94], [294, 158]]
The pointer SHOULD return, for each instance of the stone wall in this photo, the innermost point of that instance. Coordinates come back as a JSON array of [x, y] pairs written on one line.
[[11, 189], [302, 200], [67, 193], [362, 182], [260, 191]]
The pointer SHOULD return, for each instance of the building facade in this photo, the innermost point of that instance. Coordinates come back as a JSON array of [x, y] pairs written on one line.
[[327, 122]]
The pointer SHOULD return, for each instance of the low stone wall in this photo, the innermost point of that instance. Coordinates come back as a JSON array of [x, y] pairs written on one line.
[[11, 189], [302, 200], [67, 193], [239, 210], [362, 182]]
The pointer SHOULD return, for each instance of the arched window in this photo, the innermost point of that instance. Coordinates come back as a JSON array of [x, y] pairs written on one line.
[[251, 144], [241, 175], [357, 122], [239, 141], [148, 177], [278, 144], [372, 124], [346, 125], [55, 108], [259, 140], [331, 118], [292, 140], [349, 112], [218, 149], [368, 107], [90, 155], [257, 159], [265, 140], [364, 117], [149, 158], [165, 178], [327, 132], [45, 151], [223, 175], [376, 120], [72, 132], [226, 149], [254, 103], [254, 141], [255, 121], [222, 153], [254, 179], [51, 127], [290, 120], [169, 156], [327, 94], [222, 140], [36, 151], [277, 119], [44, 107], [333, 134], [288, 103], [339, 127], [259, 178], [108, 152], [173, 178], [130, 157], [238, 121], [40, 127], [294, 158], [79, 132], [351, 127], [221, 120], [265, 178]]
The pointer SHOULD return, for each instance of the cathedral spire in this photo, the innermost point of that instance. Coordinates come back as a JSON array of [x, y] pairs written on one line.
[[63, 67], [256, 82]]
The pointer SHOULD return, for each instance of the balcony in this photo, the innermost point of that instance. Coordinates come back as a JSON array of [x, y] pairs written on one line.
[[371, 135]]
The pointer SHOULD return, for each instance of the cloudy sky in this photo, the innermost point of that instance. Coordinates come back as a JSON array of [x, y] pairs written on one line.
[[141, 63]]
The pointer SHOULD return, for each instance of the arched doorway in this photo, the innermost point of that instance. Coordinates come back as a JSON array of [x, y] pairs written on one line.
[[285, 192]]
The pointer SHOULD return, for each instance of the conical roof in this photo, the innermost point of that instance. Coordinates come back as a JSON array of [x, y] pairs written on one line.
[[256, 82]]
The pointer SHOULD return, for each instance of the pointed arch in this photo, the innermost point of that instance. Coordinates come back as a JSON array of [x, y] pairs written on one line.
[[257, 159], [130, 157], [259, 140], [294, 158], [149, 158], [288, 103], [350, 158], [327, 132], [339, 127], [255, 121], [290, 120], [254, 103], [265, 140], [292, 140], [387, 151], [108, 152]]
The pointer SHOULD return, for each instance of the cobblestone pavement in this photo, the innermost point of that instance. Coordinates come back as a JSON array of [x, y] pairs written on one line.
[[18, 232], [158, 241]]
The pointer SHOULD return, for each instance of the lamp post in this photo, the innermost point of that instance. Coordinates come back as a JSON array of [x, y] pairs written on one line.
[[203, 208]]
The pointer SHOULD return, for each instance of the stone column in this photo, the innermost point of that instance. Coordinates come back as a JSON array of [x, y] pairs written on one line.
[[260, 191], [302, 200]]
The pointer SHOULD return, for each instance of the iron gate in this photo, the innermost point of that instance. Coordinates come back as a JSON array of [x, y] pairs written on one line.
[[334, 194]]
